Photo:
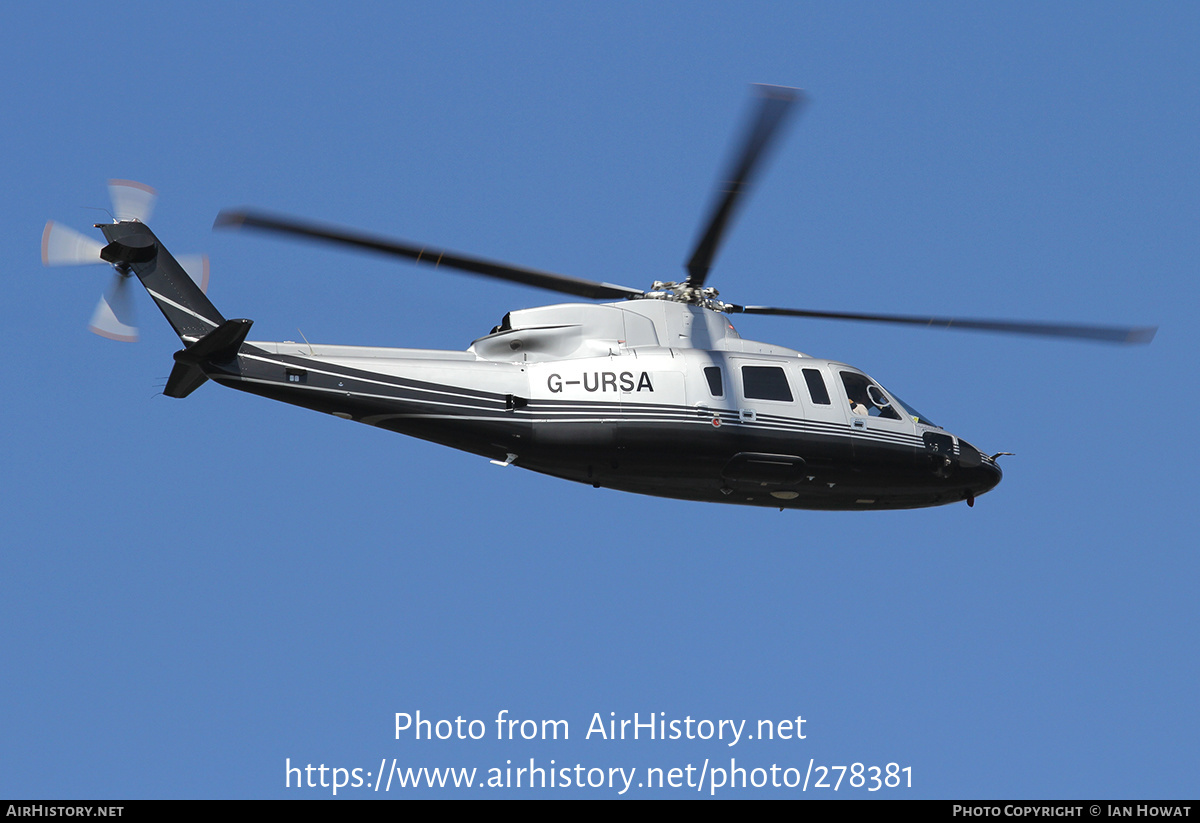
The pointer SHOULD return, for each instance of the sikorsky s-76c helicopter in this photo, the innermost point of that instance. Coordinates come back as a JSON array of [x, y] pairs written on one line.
[[655, 393]]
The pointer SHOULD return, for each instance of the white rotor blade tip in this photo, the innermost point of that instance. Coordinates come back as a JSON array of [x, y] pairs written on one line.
[[62, 246], [113, 317], [131, 200]]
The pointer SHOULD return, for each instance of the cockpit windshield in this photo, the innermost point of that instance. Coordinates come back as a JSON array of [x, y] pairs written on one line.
[[914, 414], [868, 399]]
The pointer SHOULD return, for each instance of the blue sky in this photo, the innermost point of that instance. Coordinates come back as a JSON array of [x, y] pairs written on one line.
[[197, 591]]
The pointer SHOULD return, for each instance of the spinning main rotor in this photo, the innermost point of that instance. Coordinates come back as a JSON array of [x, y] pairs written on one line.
[[773, 108]]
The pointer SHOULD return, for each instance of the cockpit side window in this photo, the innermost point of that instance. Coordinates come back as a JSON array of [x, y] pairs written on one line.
[[867, 399], [816, 387], [766, 383]]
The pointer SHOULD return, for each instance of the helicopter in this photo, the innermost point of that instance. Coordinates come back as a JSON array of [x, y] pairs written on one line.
[[653, 393]]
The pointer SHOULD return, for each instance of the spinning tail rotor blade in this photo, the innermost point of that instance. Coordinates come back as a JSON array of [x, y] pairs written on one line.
[[113, 317], [131, 200], [62, 246], [426, 254], [774, 105], [1106, 334]]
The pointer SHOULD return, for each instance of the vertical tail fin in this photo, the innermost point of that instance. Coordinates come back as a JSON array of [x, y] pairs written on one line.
[[132, 246]]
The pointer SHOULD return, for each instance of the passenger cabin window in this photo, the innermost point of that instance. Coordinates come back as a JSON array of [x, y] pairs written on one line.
[[867, 399], [816, 387], [713, 375], [766, 383]]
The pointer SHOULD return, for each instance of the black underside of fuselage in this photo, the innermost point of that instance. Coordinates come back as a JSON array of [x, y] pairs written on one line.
[[664, 451]]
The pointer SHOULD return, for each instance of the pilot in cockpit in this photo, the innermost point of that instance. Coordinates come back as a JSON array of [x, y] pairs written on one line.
[[858, 401]]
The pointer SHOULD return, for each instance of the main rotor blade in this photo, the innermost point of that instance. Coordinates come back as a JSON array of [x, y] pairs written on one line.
[[426, 254], [775, 102], [1107, 334]]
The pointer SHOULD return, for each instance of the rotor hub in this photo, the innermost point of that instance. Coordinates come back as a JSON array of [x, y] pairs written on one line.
[[705, 297]]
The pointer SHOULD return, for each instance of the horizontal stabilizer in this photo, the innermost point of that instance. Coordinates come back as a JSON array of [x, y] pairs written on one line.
[[218, 346], [185, 378]]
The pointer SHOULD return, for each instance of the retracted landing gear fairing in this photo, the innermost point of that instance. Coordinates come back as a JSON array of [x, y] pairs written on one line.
[[655, 393]]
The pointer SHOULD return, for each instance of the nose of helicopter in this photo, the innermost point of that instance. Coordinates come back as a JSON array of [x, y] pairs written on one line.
[[976, 471], [985, 477], [981, 477]]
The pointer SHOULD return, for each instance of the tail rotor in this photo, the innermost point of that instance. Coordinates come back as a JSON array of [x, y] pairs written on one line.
[[63, 246], [131, 200], [114, 316]]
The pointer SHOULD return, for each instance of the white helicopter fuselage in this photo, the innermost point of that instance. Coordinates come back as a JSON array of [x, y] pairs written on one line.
[[649, 396], [656, 394]]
